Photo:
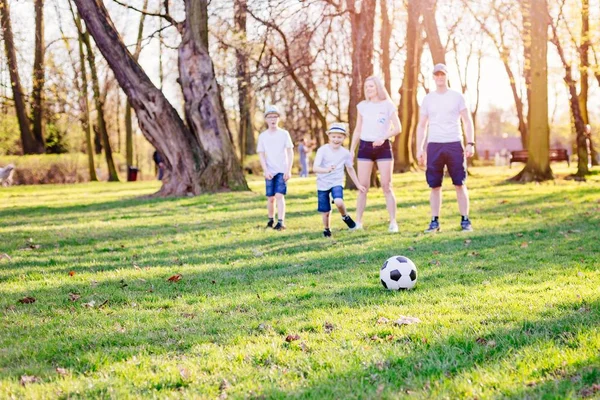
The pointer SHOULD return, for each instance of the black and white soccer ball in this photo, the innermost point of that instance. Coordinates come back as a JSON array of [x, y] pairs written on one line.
[[398, 273]]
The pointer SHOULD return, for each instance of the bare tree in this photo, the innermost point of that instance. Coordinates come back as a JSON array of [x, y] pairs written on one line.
[[37, 98]]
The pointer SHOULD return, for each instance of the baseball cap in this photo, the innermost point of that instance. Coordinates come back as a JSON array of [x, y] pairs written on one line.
[[271, 109], [337, 128], [440, 68]]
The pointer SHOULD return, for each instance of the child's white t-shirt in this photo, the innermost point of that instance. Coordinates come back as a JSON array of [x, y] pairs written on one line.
[[326, 157], [376, 119], [274, 145]]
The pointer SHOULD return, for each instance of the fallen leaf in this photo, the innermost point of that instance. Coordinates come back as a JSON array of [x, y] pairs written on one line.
[[74, 296], [304, 347], [175, 278], [503, 201], [363, 261], [27, 379], [71, 273], [4, 255], [435, 262], [27, 300], [481, 341], [224, 385], [519, 234], [404, 320], [383, 320], [62, 371], [473, 254], [328, 327], [135, 266], [291, 338], [524, 245], [257, 253], [411, 248], [184, 373], [436, 252], [91, 304], [380, 389], [467, 242], [538, 211]]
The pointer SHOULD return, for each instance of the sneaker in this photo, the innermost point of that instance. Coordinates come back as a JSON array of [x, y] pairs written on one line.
[[357, 226], [393, 227], [279, 227], [326, 233], [466, 226], [434, 226], [350, 222], [269, 224]]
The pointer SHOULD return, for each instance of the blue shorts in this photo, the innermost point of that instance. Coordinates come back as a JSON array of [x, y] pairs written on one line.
[[337, 192], [451, 155], [366, 151], [275, 185]]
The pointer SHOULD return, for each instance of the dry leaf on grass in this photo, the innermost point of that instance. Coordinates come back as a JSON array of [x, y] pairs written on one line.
[[524, 245], [74, 296], [27, 379], [328, 327], [62, 371], [27, 300], [175, 278], [467, 242], [184, 373], [2, 256], [291, 338], [405, 320], [91, 304], [71, 273], [382, 320]]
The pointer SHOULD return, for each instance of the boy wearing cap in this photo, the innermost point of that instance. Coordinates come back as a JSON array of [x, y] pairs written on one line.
[[440, 114], [329, 167], [276, 153]]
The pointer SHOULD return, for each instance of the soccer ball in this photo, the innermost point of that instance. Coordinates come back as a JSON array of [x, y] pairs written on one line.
[[398, 272]]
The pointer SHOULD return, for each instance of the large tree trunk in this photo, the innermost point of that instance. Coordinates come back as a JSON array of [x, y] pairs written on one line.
[[386, 35], [99, 101], [362, 23], [28, 142], [438, 53], [403, 157], [128, 119], [584, 67], [37, 105], [204, 109], [538, 164], [246, 141], [189, 166]]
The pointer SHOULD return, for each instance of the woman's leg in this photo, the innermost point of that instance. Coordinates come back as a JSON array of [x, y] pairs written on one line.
[[364, 177], [385, 174]]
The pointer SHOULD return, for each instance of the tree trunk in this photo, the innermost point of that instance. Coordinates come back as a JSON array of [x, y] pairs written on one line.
[[28, 142], [128, 119], [246, 141], [538, 164], [37, 103], [190, 168], [438, 53], [403, 157], [386, 35], [527, 46], [584, 68], [100, 120]]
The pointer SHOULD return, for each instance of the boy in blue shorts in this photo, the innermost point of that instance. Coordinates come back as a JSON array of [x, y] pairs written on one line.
[[329, 167], [276, 153]]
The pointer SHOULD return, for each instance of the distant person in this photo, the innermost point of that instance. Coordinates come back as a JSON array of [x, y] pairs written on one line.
[[329, 166], [304, 150], [439, 138], [588, 144], [377, 121], [160, 164], [276, 152]]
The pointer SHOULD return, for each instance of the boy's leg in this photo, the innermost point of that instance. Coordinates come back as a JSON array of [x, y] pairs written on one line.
[[280, 191], [270, 193], [271, 207], [326, 220], [339, 203], [280, 200], [324, 208]]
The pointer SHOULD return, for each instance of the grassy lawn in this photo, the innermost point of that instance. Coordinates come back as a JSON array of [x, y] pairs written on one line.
[[511, 310]]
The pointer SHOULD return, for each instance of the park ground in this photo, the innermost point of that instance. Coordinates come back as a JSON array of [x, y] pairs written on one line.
[[511, 310]]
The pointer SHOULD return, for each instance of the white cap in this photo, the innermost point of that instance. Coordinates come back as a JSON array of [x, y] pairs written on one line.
[[440, 68], [271, 109], [337, 127]]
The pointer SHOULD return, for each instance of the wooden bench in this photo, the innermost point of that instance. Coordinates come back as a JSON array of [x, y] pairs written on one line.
[[554, 155]]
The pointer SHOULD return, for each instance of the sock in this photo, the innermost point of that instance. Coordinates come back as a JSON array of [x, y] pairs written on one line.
[[434, 219], [326, 229], [280, 221], [344, 216], [464, 218], [270, 219]]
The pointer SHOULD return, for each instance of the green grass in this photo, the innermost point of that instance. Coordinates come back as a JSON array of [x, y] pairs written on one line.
[[500, 318]]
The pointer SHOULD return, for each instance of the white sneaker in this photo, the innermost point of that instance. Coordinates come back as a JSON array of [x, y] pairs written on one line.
[[393, 227], [357, 227]]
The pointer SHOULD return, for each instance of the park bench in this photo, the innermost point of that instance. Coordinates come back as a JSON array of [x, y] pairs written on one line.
[[554, 155]]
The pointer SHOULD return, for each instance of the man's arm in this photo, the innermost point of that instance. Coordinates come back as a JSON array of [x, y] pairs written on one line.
[[467, 120]]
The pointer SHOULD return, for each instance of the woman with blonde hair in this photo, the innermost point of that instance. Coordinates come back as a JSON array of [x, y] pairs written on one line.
[[377, 121]]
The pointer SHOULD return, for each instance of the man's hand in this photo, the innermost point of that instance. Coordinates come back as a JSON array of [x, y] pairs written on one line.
[[287, 176], [268, 175], [469, 150], [422, 158]]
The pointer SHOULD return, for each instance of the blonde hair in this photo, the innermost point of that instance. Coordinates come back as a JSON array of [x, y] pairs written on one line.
[[382, 94]]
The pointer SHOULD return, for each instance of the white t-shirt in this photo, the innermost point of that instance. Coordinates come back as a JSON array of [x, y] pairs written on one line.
[[327, 157], [443, 111], [376, 119], [274, 145]]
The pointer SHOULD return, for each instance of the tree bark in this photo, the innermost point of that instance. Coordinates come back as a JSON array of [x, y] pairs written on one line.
[[403, 157], [100, 120], [37, 103], [584, 67], [538, 163], [28, 142], [190, 167], [246, 140], [128, 119], [438, 53], [386, 35]]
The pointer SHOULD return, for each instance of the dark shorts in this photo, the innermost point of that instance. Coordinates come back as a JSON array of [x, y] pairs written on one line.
[[275, 185], [367, 152], [451, 155], [337, 192]]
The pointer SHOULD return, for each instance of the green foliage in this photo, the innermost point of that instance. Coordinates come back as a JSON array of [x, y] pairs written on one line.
[[511, 310], [56, 140], [10, 139]]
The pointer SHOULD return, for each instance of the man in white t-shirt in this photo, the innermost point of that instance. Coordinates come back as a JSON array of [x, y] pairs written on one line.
[[439, 129], [329, 166], [276, 152]]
